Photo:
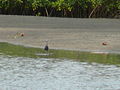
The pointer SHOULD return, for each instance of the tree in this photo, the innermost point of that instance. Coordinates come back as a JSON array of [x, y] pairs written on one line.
[[41, 6], [62, 8]]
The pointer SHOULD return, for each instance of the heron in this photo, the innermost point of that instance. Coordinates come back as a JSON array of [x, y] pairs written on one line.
[[46, 48]]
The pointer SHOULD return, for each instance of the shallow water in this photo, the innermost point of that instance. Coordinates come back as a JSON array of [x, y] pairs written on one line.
[[54, 74]]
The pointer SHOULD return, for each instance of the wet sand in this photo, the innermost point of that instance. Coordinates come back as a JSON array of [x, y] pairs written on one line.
[[62, 33]]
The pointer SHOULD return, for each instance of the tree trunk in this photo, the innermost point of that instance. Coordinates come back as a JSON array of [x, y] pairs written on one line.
[[46, 12]]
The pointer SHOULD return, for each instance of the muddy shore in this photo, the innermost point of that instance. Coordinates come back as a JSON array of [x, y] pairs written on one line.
[[99, 35]]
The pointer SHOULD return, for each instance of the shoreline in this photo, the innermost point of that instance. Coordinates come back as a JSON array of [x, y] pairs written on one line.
[[78, 41], [90, 51], [30, 52], [62, 33]]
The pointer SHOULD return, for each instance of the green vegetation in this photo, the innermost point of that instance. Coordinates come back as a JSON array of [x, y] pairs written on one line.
[[62, 8], [21, 51]]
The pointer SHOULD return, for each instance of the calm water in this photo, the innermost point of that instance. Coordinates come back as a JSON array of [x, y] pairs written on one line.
[[54, 74]]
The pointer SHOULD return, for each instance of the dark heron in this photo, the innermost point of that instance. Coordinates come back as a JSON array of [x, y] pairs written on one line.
[[46, 46]]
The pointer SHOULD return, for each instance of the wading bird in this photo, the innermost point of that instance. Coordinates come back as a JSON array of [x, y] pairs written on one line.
[[46, 48]]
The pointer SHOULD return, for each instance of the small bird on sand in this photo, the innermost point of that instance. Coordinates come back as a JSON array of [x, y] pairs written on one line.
[[21, 34], [104, 43]]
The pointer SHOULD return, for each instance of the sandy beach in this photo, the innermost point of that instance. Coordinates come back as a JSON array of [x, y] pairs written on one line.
[[98, 35]]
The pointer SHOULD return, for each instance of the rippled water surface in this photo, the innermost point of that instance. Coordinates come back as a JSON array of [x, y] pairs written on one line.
[[54, 74]]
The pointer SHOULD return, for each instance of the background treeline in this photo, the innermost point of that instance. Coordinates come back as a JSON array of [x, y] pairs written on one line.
[[62, 8]]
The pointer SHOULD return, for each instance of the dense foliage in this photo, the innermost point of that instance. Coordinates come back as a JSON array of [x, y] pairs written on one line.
[[62, 8]]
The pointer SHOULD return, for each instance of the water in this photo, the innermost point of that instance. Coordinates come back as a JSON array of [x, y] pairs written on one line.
[[54, 74]]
